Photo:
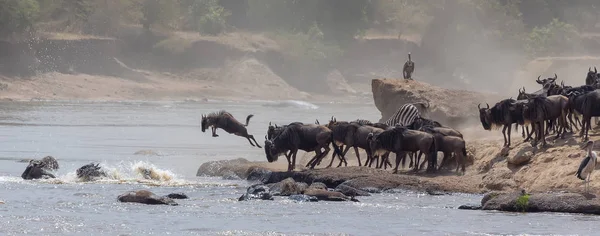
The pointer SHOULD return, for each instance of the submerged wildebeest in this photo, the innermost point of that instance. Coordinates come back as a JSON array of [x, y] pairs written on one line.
[[401, 140], [227, 122], [588, 105], [540, 109], [449, 142], [306, 137], [90, 172], [36, 170], [503, 113]]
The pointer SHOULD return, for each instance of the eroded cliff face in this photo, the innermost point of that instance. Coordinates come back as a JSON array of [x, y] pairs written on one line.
[[450, 107]]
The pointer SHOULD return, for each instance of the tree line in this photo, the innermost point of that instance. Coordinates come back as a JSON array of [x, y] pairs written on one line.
[[538, 25]]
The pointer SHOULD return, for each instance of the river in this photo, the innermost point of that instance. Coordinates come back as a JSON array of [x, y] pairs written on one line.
[[77, 133]]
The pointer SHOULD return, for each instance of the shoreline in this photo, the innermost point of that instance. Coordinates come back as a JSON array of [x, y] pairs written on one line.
[[56, 87]]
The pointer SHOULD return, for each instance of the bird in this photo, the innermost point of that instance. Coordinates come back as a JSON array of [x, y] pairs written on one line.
[[409, 68], [588, 164]]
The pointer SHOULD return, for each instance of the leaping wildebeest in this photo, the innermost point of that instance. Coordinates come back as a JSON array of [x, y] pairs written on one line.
[[296, 136], [401, 140], [224, 120]]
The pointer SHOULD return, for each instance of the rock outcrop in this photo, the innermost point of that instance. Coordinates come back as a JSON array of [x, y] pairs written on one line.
[[450, 107], [564, 202], [147, 197]]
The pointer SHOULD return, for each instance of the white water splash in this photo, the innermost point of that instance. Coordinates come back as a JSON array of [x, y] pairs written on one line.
[[138, 172]]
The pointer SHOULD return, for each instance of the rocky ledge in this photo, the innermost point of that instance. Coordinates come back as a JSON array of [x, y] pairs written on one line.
[[352, 180], [564, 202], [450, 107]]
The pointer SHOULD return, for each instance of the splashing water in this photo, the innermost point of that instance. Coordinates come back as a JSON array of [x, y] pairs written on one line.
[[138, 172]]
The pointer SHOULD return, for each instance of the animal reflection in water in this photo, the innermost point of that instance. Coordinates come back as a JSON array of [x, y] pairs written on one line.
[[224, 120]]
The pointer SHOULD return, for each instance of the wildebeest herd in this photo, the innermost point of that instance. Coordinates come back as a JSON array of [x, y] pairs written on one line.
[[553, 109], [406, 132]]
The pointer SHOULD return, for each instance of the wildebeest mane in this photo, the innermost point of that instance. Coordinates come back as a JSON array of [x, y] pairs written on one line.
[[500, 113], [218, 114]]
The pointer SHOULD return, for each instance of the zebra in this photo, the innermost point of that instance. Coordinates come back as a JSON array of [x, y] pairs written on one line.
[[409, 68], [405, 116]]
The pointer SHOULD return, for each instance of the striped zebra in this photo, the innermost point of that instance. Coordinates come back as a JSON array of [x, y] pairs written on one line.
[[405, 116]]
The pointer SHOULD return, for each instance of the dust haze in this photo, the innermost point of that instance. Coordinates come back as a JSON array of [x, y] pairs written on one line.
[[312, 50]]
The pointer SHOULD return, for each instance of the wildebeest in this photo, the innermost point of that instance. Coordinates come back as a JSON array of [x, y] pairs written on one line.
[[36, 170], [588, 105], [224, 120], [401, 140], [503, 113], [449, 142], [420, 122], [90, 171], [306, 137], [351, 134], [540, 109]]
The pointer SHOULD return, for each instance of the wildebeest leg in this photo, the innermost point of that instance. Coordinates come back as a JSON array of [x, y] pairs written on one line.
[[318, 155], [504, 134], [249, 140], [333, 157], [398, 160], [523, 131], [543, 134], [214, 132], [249, 137], [358, 156], [343, 157], [293, 163], [444, 160], [509, 130]]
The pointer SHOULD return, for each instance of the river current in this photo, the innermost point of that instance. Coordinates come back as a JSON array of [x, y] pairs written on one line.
[[167, 138]]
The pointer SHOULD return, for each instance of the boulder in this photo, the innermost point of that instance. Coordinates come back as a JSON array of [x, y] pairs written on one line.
[[146, 197], [520, 158], [565, 202], [177, 196], [324, 195], [257, 191], [350, 191], [303, 198], [469, 207], [287, 187], [449, 107]]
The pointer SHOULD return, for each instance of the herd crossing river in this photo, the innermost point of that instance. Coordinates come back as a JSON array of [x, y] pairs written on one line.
[[167, 138]]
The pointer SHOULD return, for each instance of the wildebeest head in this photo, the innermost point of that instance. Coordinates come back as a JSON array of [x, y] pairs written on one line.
[[270, 150], [592, 76], [485, 116], [204, 123], [374, 142]]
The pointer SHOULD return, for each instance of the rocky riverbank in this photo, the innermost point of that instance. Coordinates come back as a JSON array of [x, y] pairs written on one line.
[[564, 202]]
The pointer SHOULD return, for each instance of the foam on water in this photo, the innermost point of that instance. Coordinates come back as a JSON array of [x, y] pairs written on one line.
[[137, 172]]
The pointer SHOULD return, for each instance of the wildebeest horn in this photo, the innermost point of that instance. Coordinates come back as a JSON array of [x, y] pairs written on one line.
[[590, 69], [595, 71], [479, 106], [538, 79], [555, 76], [488, 105], [266, 137]]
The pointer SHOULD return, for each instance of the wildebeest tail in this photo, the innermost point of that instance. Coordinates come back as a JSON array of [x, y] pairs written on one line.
[[464, 151], [248, 119]]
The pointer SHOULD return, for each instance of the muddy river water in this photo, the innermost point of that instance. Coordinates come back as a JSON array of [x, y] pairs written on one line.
[[77, 133]]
